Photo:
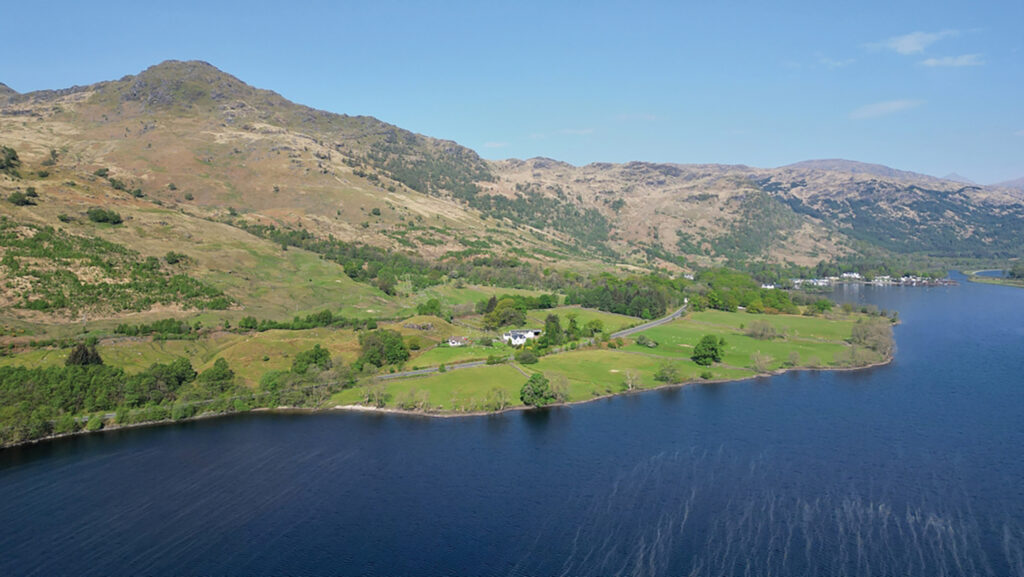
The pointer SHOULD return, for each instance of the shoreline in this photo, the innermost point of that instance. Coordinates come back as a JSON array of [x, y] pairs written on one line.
[[437, 415], [994, 280]]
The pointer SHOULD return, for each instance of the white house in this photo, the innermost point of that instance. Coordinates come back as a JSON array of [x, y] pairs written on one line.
[[457, 341], [519, 337]]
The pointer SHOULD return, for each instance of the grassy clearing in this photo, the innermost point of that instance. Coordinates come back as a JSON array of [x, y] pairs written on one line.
[[244, 353], [817, 341], [455, 391], [450, 295], [594, 373], [612, 322], [838, 327], [449, 355]]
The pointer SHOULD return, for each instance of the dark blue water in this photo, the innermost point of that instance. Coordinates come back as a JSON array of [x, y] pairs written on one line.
[[916, 468]]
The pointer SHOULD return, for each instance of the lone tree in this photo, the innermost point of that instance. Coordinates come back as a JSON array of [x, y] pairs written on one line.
[[83, 355], [707, 351], [537, 391]]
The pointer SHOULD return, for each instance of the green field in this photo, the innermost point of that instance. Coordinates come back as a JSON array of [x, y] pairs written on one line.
[[593, 373], [611, 321], [451, 295], [243, 352], [817, 341], [463, 390], [444, 355]]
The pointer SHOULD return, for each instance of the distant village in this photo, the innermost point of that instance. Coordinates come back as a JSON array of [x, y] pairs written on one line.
[[855, 277]]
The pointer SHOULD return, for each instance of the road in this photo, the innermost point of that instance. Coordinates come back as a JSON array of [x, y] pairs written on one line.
[[645, 326], [428, 370]]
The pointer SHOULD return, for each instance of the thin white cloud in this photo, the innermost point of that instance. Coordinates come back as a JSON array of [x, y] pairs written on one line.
[[832, 64], [495, 144], [886, 108], [576, 131], [955, 61], [1019, 133], [915, 42]]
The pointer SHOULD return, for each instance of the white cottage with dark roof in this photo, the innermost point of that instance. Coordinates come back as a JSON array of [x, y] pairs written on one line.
[[519, 337]]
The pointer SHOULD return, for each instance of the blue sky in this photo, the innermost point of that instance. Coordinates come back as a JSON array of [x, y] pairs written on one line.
[[934, 87]]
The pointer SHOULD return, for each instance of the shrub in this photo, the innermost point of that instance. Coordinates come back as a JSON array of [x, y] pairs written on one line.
[[646, 341], [102, 172], [761, 330], [102, 215], [182, 411], [175, 257], [794, 359], [668, 373], [20, 199], [9, 161], [760, 362], [526, 357], [188, 196]]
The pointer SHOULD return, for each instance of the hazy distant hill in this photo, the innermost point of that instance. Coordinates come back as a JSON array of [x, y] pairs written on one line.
[[853, 167], [958, 178], [1017, 184]]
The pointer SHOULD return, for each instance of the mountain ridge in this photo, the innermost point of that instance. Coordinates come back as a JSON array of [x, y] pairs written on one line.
[[183, 136]]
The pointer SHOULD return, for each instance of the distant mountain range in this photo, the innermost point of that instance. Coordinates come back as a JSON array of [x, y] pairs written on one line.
[[1017, 184], [193, 157]]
